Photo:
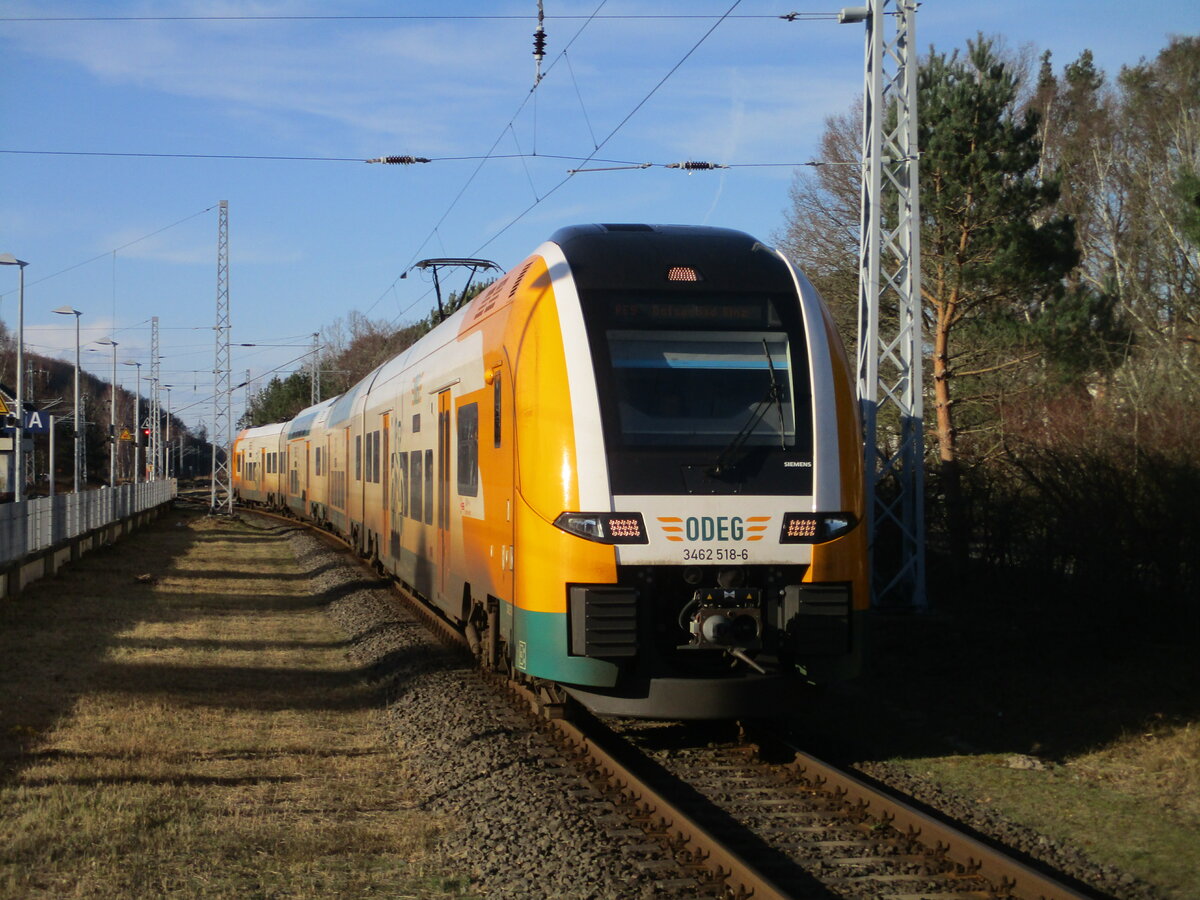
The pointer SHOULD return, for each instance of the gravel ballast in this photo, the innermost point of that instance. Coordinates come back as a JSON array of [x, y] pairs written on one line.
[[521, 823]]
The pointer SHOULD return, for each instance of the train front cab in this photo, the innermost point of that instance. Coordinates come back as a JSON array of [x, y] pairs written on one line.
[[688, 481]]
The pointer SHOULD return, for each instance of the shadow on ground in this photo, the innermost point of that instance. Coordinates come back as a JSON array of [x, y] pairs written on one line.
[[1007, 667]]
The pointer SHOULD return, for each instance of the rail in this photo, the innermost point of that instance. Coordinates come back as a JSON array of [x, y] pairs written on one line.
[[28, 527]]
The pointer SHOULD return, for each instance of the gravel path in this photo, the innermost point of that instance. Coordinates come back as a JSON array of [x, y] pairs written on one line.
[[521, 823]]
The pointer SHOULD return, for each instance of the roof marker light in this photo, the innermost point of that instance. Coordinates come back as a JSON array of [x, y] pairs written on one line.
[[683, 273]]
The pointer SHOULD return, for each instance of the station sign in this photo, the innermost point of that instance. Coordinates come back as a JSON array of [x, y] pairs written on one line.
[[36, 421]]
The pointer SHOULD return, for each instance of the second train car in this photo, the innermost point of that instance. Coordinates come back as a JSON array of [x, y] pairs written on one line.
[[630, 468]]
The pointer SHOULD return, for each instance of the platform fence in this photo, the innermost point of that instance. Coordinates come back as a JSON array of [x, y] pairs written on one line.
[[34, 525]]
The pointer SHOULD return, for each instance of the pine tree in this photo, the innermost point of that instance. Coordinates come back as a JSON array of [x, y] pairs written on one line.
[[988, 248]]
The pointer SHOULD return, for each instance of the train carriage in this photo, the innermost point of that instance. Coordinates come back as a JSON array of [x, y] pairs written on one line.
[[299, 480], [256, 461], [630, 468]]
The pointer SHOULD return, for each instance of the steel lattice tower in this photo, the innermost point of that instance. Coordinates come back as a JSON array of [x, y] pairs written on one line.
[[889, 346], [155, 437], [314, 389], [222, 479]]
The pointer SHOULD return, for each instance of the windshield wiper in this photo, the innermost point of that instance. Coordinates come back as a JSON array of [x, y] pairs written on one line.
[[725, 464]]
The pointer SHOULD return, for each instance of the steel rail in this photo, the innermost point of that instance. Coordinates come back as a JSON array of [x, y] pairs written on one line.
[[725, 867], [1008, 875]]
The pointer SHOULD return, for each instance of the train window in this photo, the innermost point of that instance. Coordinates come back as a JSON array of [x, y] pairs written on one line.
[[496, 421], [317, 463], [468, 450], [402, 484], [358, 457], [428, 487], [702, 388], [417, 423], [375, 457], [237, 464], [414, 496]]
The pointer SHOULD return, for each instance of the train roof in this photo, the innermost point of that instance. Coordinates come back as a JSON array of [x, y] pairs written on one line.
[[632, 257], [305, 420], [262, 431]]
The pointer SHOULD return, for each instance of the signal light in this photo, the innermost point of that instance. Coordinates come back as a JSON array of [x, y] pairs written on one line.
[[605, 528], [815, 528]]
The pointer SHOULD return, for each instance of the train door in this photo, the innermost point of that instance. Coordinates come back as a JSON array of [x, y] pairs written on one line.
[[443, 491], [385, 476]]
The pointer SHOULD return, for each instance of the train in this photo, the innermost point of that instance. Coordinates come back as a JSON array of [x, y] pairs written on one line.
[[630, 470]]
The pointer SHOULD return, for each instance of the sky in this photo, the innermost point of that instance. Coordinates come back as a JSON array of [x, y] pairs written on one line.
[[123, 125]]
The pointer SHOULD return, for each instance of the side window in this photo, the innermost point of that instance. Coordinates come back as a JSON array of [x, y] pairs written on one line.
[[375, 457], [358, 457], [468, 450], [415, 502], [496, 419], [317, 462], [428, 487], [402, 482]]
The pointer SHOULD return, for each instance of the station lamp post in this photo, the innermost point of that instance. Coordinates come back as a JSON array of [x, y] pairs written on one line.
[[7, 259], [71, 311], [112, 416], [167, 455], [137, 424]]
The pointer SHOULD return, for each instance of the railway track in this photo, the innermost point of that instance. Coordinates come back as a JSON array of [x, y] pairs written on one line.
[[747, 815]]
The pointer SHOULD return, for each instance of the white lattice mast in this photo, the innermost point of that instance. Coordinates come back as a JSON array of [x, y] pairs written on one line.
[[222, 478], [155, 436], [314, 381], [889, 349]]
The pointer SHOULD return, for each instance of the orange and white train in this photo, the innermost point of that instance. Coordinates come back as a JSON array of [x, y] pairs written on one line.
[[630, 468]]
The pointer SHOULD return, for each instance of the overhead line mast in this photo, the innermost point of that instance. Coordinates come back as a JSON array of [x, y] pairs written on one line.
[[222, 476], [889, 353]]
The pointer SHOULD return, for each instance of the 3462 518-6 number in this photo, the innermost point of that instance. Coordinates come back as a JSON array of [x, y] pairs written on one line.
[[719, 554]]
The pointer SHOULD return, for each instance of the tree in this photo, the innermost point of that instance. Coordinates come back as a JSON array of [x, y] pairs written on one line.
[[990, 252], [822, 222]]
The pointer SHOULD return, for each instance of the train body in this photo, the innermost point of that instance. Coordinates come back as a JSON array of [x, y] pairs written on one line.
[[631, 468]]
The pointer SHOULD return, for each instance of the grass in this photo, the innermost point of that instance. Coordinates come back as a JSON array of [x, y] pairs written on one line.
[[1121, 823], [199, 735]]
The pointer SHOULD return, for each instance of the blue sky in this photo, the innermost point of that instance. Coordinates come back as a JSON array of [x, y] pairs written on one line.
[[124, 238]]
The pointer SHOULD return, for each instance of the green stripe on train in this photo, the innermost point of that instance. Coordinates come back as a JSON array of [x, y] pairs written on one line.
[[540, 649]]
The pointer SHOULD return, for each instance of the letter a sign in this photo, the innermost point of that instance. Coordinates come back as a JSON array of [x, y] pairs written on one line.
[[36, 421]]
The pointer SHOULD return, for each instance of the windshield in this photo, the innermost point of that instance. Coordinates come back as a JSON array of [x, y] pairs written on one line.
[[702, 388]]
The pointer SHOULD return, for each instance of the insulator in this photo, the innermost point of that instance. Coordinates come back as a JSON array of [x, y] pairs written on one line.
[[399, 160], [539, 43], [693, 166]]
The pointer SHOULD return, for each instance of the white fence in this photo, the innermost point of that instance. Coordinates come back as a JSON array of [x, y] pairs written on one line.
[[33, 525]]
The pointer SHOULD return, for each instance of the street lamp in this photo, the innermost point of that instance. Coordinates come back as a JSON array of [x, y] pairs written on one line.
[[137, 424], [112, 418], [71, 311], [7, 259], [167, 456]]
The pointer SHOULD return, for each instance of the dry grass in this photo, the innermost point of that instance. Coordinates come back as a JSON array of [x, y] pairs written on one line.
[[200, 735], [1109, 810], [1160, 764]]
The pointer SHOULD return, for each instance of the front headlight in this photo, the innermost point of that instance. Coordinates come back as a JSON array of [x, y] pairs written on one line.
[[605, 528], [815, 528]]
